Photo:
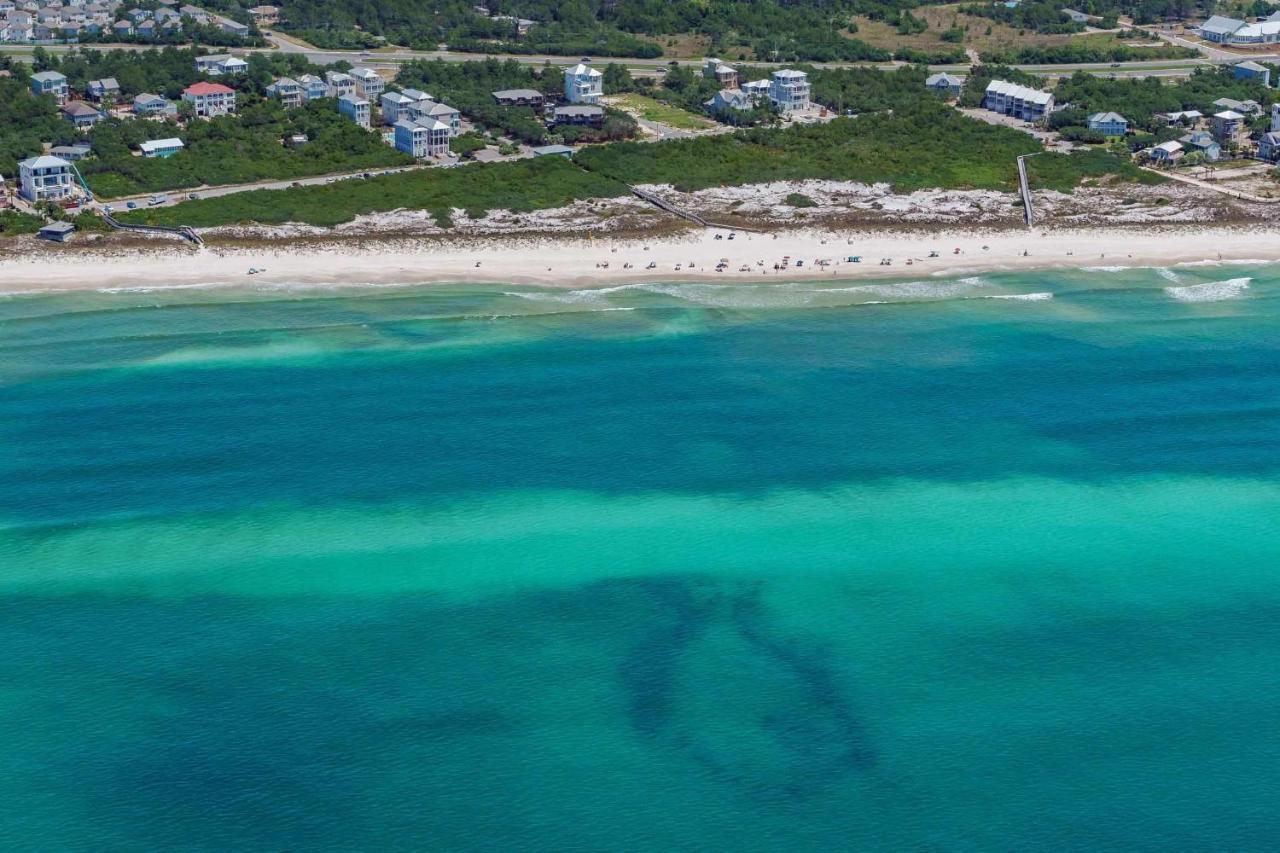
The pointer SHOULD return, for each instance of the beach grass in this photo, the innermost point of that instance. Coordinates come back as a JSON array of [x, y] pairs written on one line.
[[653, 110]]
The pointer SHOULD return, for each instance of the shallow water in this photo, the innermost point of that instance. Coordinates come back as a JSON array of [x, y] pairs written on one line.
[[946, 563]]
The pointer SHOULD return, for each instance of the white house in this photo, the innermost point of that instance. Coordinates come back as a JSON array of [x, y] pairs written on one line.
[[218, 64], [45, 179], [369, 84], [355, 108], [1166, 152], [583, 84], [428, 109], [421, 139], [1233, 31], [161, 147], [340, 84], [1017, 101], [757, 89], [210, 99]]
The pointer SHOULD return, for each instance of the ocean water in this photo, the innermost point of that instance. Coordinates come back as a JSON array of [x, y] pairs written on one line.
[[966, 563]]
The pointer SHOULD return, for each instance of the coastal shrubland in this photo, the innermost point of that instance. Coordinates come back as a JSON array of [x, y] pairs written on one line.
[[1140, 99], [922, 145], [522, 185], [228, 150]]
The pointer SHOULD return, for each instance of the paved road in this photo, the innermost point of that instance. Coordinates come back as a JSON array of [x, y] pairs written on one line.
[[395, 57]]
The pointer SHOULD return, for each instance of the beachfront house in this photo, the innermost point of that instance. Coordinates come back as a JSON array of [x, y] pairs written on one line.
[[583, 115], [422, 139], [221, 64], [106, 89], [287, 91], [147, 104], [726, 76], [339, 83], [369, 83], [1227, 126], [1109, 124], [948, 86], [161, 147], [789, 90], [50, 83], [56, 232], [45, 179], [313, 87], [355, 108], [1166, 153], [583, 84], [1028, 104], [81, 115], [1269, 146], [1250, 70], [519, 98], [210, 99]]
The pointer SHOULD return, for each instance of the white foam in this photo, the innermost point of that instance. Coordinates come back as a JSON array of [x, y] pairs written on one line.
[[1213, 291], [1021, 297], [1105, 269], [1168, 274]]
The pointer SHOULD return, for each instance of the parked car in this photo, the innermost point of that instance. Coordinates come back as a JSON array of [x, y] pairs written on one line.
[[131, 205], [193, 196]]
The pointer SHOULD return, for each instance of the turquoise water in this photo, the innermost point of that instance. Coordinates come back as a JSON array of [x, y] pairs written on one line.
[[985, 563]]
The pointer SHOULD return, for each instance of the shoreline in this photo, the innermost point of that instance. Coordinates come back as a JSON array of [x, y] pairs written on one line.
[[577, 262]]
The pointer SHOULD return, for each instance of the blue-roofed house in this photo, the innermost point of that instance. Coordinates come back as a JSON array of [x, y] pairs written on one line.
[[1269, 147]]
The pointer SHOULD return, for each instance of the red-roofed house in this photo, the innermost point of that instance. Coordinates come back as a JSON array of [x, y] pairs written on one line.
[[210, 99]]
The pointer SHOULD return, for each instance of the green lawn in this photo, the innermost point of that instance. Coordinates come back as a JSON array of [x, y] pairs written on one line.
[[651, 110]]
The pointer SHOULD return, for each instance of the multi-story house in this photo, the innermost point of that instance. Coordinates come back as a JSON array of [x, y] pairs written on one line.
[[50, 83], [583, 84], [369, 84], [789, 90], [287, 91], [1109, 124], [313, 87], [395, 106], [421, 139], [340, 84], [355, 108], [587, 115], [106, 89], [1018, 101], [428, 109], [726, 76], [45, 179], [210, 99]]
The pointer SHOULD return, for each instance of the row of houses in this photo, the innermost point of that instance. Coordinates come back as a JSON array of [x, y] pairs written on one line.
[[52, 21], [359, 83], [787, 90], [1021, 102], [1225, 128]]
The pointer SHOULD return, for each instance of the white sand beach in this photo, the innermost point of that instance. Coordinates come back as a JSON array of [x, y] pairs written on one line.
[[561, 261]]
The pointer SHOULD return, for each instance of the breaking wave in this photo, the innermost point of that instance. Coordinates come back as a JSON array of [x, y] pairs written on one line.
[[1213, 291]]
